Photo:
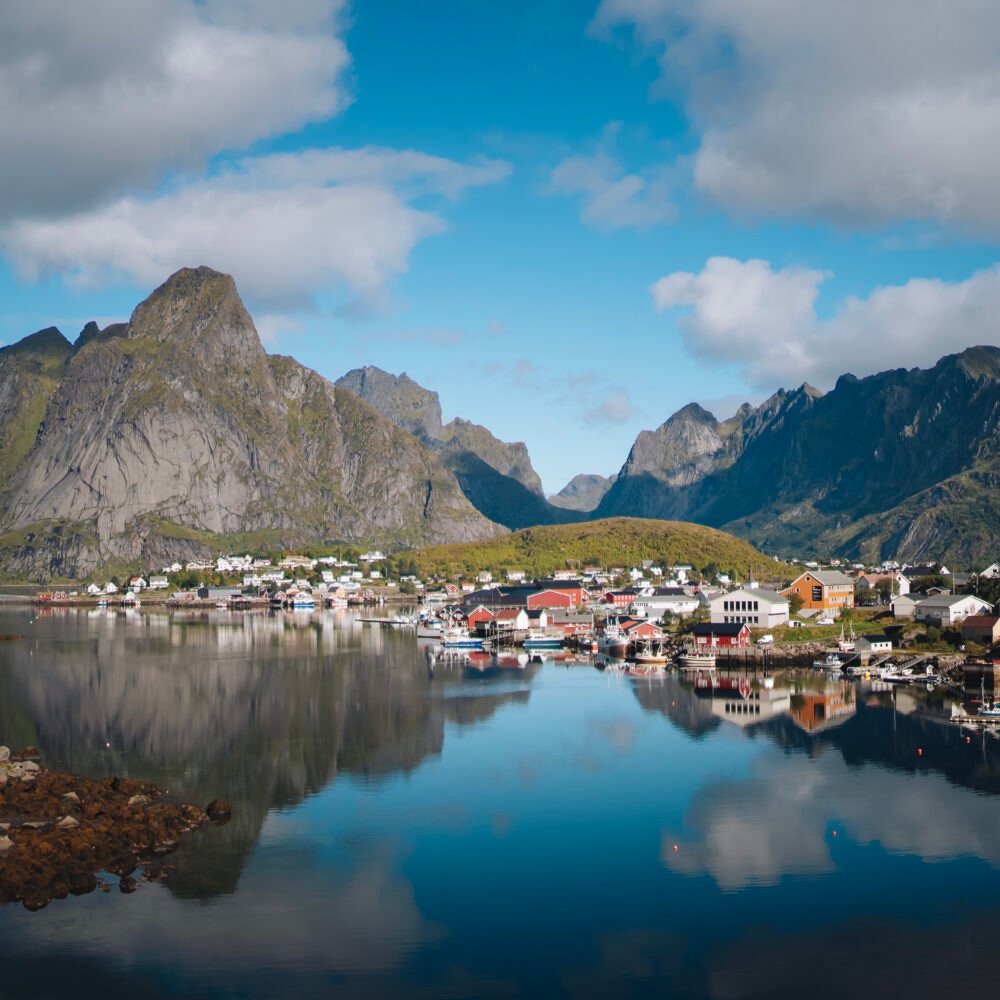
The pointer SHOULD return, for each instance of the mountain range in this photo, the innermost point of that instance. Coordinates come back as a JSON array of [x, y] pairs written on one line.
[[175, 434]]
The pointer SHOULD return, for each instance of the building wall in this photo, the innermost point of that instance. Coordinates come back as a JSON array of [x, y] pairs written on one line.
[[817, 596]]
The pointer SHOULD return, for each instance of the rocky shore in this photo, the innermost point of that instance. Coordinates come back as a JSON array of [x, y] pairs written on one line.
[[63, 834]]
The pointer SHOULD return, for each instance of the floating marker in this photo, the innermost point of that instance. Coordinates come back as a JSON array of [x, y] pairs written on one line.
[[675, 848], [920, 751]]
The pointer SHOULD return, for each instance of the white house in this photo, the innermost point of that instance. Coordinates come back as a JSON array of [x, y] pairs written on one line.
[[873, 644], [158, 583], [948, 609], [758, 608], [658, 601]]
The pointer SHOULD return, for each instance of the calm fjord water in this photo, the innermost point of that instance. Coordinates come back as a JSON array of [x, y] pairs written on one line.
[[409, 829]]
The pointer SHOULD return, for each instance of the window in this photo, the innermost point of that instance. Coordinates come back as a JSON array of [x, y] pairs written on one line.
[[817, 593]]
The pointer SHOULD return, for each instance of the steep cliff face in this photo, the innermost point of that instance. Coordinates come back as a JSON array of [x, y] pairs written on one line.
[[496, 476], [398, 397], [897, 464], [30, 371], [181, 420]]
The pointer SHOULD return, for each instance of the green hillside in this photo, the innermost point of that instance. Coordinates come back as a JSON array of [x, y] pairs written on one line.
[[614, 542]]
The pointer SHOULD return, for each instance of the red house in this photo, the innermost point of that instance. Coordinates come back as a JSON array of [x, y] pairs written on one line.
[[721, 635], [553, 599], [480, 616]]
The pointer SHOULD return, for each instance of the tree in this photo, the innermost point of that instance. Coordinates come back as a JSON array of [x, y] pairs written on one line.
[[794, 604]]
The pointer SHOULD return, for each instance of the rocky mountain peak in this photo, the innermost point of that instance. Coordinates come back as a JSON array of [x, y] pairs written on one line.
[[398, 397], [199, 311], [42, 344]]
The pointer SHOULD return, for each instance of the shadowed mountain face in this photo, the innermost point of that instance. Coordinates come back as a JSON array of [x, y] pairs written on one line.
[[582, 493], [146, 440], [496, 477], [904, 464]]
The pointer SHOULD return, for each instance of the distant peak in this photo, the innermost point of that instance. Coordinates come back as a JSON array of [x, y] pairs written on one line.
[[41, 342], [694, 411]]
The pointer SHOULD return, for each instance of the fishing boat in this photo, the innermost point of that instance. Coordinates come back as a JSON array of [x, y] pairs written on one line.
[[694, 660], [541, 640], [846, 642], [649, 651], [613, 641], [989, 708], [832, 663], [460, 638], [430, 628]]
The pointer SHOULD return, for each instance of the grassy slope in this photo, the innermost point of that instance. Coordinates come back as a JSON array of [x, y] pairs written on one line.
[[613, 542]]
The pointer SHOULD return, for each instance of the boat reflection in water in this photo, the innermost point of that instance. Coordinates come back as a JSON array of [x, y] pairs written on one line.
[[396, 815]]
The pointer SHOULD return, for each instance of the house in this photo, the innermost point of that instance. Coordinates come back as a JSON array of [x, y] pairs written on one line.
[[991, 572], [757, 607], [902, 606], [479, 616], [93, 589], [676, 600], [158, 583], [725, 635], [949, 609], [827, 591], [984, 629], [872, 644], [868, 582], [642, 630]]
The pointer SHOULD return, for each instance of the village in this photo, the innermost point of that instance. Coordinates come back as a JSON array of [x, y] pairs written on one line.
[[615, 610]]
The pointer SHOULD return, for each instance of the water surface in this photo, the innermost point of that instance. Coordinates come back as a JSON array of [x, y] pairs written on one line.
[[404, 827]]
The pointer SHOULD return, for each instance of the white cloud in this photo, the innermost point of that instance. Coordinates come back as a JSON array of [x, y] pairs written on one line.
[[282, 225], [764, 322], [859, 112], [774, 824], [612, 197], [99, 99], [615, 408]]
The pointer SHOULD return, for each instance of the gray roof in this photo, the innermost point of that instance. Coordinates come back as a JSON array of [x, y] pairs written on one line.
[[758, 592], [948, 600]]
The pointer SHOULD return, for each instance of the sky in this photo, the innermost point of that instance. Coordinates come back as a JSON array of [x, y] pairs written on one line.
[[568, 218]]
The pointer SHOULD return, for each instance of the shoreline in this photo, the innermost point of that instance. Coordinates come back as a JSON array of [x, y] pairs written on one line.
[[62, 834]]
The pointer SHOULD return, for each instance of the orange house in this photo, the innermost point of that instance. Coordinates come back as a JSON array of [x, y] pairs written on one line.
[[823, 590]]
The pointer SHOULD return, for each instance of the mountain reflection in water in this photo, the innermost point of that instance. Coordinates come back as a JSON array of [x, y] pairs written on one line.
[[411, 824]]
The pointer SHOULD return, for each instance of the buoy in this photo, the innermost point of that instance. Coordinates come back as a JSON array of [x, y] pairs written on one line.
[[675, 848], [920, 751], [835, 833], [968, 739]]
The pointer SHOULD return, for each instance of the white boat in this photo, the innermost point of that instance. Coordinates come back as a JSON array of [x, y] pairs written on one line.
[[541, 640], [989, 708], [612, 641], [846, 642], [694, 660], [430, 628], [832, 662], [460, 638]]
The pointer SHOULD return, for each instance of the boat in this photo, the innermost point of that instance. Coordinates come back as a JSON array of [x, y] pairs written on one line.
[[430, 628], [694, 660], [989, 708], [846, 642], [832, 662], [649, 651], [460, 638], [613, 641], [541, 640], [301, 600]]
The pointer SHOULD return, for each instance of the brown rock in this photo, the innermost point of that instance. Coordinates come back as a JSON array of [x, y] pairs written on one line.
[[219, 811], [128, 884]]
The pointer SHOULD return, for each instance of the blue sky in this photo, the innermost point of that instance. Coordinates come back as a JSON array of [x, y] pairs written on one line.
[[567, 218]]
